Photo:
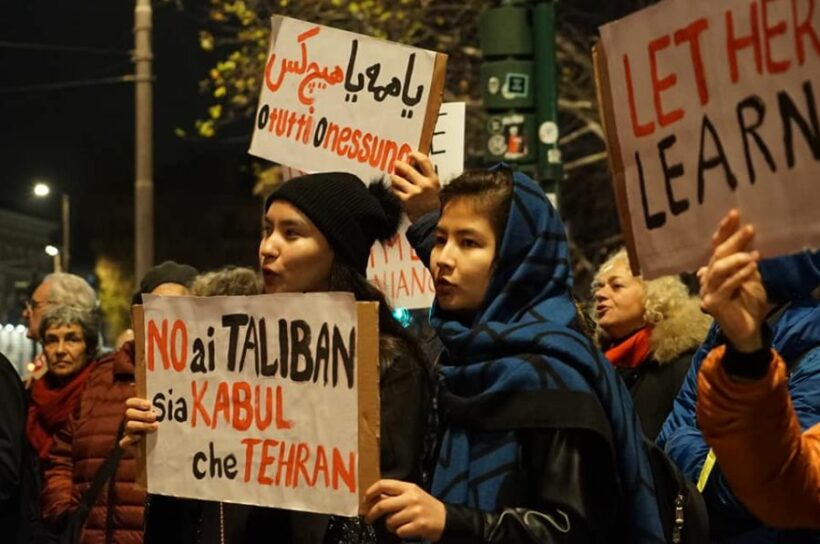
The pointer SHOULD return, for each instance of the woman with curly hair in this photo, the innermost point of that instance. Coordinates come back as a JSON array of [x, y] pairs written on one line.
[[649, 330]]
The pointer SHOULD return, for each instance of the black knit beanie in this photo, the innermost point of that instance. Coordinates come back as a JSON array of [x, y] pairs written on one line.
[[351, 216], [167, 272]]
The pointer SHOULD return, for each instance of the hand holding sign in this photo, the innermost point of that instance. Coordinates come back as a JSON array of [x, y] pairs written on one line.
[[140, 419], [408, 510], [731, 288], [416, 186]]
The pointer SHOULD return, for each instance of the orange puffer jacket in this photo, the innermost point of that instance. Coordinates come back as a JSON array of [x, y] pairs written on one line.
[[83, 445], [753, 429]]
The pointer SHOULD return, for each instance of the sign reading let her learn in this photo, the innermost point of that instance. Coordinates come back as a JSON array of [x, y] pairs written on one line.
[[269, 400], [335, 100], [713, 105]]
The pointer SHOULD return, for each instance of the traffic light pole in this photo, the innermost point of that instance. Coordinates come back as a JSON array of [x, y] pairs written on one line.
[[519, 89], [550, 170]]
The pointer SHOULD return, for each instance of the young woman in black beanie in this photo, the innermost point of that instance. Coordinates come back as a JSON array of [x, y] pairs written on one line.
[[319, 230]]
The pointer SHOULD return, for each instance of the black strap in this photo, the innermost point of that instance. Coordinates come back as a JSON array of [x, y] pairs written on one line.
[[104, 473], [112, 487]]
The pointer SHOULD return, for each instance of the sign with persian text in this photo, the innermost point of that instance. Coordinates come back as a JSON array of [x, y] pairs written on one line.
[[333, 100], [393, 265]]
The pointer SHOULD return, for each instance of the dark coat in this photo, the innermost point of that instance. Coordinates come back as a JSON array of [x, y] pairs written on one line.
[[653, 387], [18, 473]]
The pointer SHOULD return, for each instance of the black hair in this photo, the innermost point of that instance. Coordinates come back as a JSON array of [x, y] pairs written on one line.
[[490, 190], [392, 335]]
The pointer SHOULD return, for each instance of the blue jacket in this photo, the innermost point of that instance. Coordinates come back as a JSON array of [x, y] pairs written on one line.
[[796, 336]]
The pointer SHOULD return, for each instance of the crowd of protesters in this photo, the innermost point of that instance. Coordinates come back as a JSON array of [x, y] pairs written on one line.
[[680, 418]]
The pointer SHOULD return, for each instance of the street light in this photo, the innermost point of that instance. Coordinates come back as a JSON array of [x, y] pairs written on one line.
[[42, 190], [54, 253]]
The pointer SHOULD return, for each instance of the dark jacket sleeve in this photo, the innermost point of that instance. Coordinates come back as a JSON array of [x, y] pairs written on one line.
[[12, 435], [681, 420], [572, 495], [405, 398], [420, 236]]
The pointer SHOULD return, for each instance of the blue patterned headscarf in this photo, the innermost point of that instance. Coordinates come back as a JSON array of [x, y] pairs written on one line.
[[522, 364]]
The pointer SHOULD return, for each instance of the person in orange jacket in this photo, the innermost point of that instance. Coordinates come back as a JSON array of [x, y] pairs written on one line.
[[744, 408]]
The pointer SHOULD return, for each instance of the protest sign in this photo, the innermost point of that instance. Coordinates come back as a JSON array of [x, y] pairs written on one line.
[[269, 400], [447, 147], [393, 266], [709, 106], [333, 100]]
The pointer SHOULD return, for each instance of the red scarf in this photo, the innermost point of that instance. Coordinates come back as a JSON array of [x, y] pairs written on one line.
[[50, 407], [632, 351]]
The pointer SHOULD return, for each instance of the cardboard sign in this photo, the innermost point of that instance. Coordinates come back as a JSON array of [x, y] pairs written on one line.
[[269, 400], [709, 106], [447, 147], [393, 266], [333, 100]]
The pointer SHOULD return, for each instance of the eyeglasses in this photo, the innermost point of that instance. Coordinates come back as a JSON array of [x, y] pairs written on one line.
[[32, 304]]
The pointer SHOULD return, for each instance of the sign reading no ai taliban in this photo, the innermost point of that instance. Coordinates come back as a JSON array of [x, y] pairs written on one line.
[[332, 100], [269, 400], [708, 106]]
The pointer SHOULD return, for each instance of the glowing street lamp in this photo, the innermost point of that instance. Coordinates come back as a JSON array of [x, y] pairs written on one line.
[[42, 190], [54, 253]]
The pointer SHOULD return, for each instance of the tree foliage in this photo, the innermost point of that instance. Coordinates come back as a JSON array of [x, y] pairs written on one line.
[[115, 290], [236, 33]]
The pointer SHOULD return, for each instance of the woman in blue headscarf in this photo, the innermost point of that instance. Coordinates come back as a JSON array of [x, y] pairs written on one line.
[[540, 440]]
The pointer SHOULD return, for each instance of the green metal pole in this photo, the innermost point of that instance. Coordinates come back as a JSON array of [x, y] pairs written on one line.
[[546, 96]]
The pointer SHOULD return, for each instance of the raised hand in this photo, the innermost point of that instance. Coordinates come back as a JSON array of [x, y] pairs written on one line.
[[731, 289], [416, 185]]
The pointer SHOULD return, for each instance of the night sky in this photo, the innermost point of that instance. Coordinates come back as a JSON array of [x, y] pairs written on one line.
[[81, 139]]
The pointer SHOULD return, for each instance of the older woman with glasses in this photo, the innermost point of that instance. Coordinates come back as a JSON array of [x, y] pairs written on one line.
[[58, 289]]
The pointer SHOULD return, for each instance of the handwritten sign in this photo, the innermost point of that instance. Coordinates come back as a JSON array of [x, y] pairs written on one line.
[[708, 106], [334, 100], [393, 266], [269, 400], [447, 147]]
